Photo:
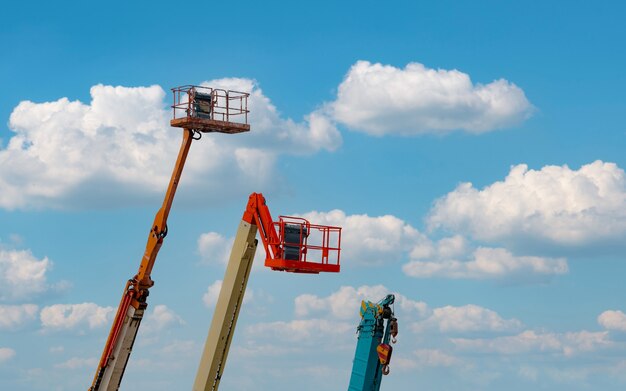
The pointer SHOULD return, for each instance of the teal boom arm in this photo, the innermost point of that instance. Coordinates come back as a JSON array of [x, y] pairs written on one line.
[[375, 329]]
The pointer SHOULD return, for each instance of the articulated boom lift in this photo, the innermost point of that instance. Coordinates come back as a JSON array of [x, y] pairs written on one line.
[[373, 352], [291, 244], [197, 110]]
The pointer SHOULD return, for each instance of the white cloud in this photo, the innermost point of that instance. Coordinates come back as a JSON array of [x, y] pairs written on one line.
[[381, 99], [345, 303], [212, 293], [21, 274], [555, 204], [421, 359], [179, 348], [382, 239], [314, 331], [370, 240], [12, 316], [567, 344], [73, 316], [214, 248], [78, 363], [119, 148], [613, 320], [62, 146], [445, 248], [161, 318], [435, 358], [328, 318], [271, 132], [6, 354], [467, 318], [486, 263]]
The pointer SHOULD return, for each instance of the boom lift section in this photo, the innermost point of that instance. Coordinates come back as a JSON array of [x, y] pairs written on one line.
[[199, 106], [373, 353], [288, 247]]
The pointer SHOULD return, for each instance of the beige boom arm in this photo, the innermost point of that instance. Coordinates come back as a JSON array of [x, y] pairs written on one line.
[[227, 309], [284, 250]]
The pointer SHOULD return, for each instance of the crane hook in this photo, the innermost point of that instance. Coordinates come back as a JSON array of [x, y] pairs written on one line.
[[394, 330]]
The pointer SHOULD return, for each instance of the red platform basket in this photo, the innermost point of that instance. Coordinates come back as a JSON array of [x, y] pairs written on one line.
[[305, 247]]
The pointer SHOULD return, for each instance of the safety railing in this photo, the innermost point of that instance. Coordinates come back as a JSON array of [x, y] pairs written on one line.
[[313, 247], [210, 103]]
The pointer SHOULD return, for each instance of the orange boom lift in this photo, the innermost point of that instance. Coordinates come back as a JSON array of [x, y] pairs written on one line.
[[196, 110]]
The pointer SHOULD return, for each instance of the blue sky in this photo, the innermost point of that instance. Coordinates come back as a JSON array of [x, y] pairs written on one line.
[[472, 151]]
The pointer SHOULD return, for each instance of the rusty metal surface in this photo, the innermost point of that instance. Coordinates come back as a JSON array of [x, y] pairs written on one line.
[[208, 109], [209, 125]]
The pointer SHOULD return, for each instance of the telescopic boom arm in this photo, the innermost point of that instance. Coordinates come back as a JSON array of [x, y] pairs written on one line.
[[286, 246], [133, 304], [197, 110], [373, 353]]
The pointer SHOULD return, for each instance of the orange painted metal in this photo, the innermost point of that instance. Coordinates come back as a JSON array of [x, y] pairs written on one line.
[[159, 226], [117, 325], [203, 109], [317, 256], [384, 353], [136, 290]]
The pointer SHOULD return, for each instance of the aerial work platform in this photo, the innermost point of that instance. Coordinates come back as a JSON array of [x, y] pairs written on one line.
[[292, 244], [196, 110], [206, 109]]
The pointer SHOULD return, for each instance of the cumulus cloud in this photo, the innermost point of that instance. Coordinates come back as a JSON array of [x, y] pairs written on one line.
[[467, 318], [381, 99], [299, 330], [119, 148], [21, 274], [446, 248], [377, 240], [555, 204], [370, 240], [486, 263], [162, 317], [214, 247], [434, 358], [421, 359], [6, 354], [271, 132], [212, 294], [13, 316], [613, 320], [345, 303], [329, 319], [568, 344], [74, 316]]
